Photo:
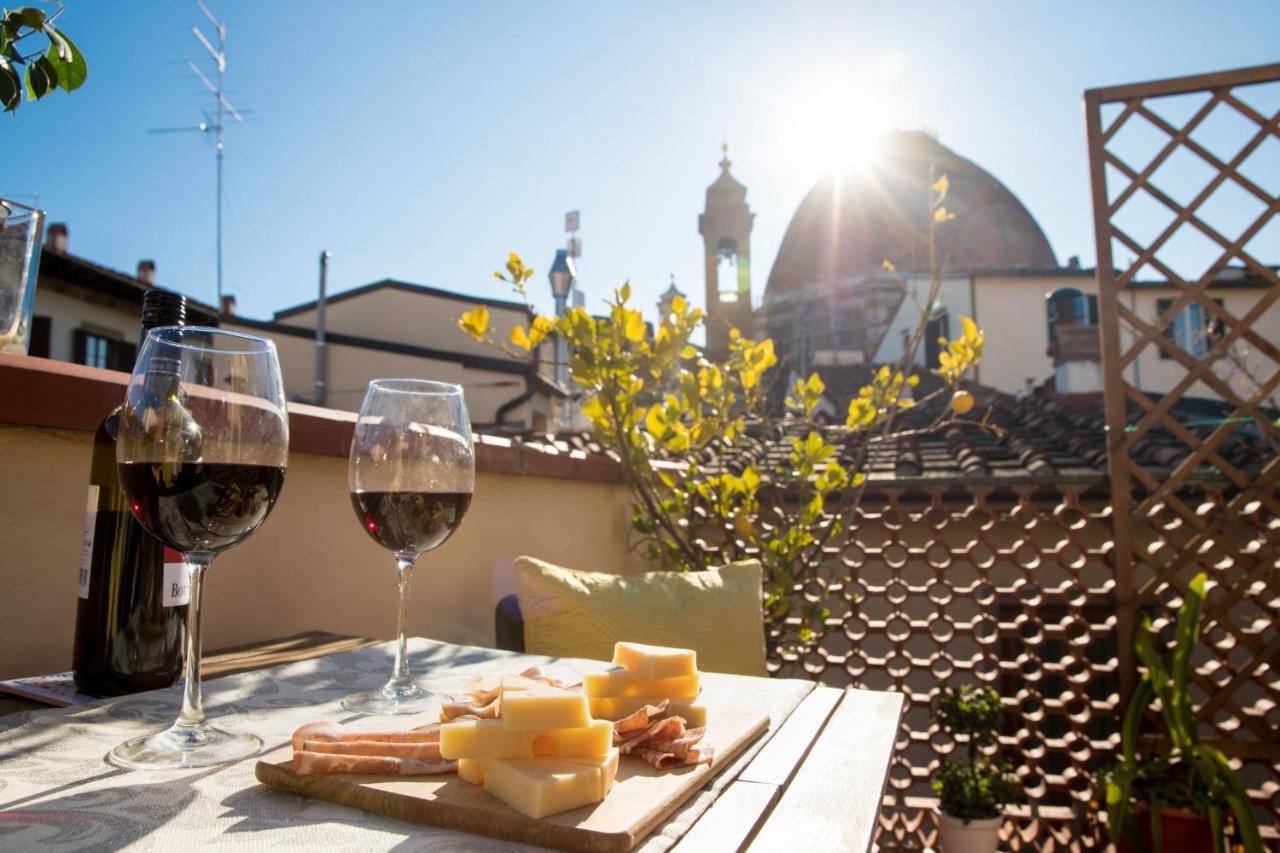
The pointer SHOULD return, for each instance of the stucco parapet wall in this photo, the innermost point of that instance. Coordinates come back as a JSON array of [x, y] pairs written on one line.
[[44, 393]]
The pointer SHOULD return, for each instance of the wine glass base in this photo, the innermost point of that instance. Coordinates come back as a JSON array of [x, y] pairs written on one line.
[[389, 699], [184, 747]]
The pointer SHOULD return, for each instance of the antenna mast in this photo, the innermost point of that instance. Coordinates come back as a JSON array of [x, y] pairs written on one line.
[[216, 123]]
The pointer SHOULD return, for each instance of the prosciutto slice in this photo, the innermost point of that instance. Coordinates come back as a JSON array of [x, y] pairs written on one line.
[[420, 751], [320, 763], [326, 732]]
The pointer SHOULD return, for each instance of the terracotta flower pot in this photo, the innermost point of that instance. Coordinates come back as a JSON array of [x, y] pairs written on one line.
[[976, 836], [1181, 831]]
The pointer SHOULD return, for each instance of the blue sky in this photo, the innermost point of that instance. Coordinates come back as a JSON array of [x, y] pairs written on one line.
[[423, 140]]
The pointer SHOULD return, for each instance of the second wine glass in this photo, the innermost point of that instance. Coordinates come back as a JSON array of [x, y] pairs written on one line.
[[412, 473]]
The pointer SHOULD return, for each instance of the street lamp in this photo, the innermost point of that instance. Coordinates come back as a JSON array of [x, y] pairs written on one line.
[[562, 276]]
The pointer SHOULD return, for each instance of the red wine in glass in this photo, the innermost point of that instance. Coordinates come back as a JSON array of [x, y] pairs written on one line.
[[411, 475]]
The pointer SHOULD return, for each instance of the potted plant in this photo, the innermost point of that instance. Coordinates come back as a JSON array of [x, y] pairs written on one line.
[[1170, 791], [975, 791]]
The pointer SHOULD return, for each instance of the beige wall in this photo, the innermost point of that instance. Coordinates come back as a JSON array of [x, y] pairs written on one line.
[[419, 319], [1013, 313], [310, 566], [351, 369], [67, 312]]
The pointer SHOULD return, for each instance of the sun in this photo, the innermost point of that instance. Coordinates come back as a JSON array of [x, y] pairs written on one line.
[[841, 130]]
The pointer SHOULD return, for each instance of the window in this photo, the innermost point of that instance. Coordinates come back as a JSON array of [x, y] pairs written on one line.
[[1067, 303], [97, 350], [1193, 330]]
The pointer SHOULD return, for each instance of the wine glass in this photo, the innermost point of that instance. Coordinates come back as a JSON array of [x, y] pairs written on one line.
[[412, 472], [201, 452]]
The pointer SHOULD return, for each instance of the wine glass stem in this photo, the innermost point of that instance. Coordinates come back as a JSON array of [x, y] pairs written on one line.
[[400, 677], [192, 714]]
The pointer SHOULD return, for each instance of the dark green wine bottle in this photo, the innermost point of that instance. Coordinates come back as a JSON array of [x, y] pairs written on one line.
[[133, 592]]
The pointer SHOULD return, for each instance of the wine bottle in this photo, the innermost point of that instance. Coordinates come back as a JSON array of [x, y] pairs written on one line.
[[133, 591]]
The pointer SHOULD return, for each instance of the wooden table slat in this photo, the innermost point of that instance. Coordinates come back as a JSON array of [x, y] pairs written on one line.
[[834, 800], [780, 757], [728, 824]]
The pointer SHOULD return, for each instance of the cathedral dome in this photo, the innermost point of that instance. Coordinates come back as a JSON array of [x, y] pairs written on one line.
[[850, 223]]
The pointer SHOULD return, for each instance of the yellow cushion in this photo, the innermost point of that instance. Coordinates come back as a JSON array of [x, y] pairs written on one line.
[[717, 613]]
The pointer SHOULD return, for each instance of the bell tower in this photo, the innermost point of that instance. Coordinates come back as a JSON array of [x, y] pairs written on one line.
[[725, 226]]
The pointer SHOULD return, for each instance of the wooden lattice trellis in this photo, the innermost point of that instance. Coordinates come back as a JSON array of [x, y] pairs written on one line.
[[1166, 527]]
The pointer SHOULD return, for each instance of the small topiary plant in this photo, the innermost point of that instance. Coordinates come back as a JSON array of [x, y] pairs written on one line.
[[977, 788]]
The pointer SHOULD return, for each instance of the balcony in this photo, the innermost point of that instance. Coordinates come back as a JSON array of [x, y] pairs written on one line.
[[1006, 579]]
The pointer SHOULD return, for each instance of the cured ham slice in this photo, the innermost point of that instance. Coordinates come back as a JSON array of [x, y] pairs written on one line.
[[421, 751], [319, 763], [336, 732], [640, 718], [484, 695], [451, 711]]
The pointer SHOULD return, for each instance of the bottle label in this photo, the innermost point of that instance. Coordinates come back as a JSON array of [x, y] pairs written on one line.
[[177, 581], [86, 543]]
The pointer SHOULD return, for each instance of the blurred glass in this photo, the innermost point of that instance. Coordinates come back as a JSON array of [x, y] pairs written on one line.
[[21, 228]]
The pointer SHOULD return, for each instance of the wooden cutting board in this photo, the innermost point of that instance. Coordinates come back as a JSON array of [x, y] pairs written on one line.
[[642, 797]]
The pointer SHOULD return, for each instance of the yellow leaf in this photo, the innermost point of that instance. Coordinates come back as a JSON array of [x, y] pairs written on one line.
[[970, 327], [679, 305], [655, 421], [940, 215], [475, 322], [624, 295], [815, 385], [688, 352], [519, 337], [635, 325], [540, 328], [941, 186], [888, 265], [593, 409]]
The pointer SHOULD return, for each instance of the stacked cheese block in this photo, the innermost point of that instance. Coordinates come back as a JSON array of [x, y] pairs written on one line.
[[649, 675], [543, 755]]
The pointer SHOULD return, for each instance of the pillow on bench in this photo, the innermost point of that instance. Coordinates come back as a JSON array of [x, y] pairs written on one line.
[[718, 613]]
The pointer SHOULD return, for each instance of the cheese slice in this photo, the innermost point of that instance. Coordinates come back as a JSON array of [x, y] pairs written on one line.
[[539, 787], [471, 770], [539, 710], [488, 739], [621, 682], [608, 765], [617, 707], [655, 661]]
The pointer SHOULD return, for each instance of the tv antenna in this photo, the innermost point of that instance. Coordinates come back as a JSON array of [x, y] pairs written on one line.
[[214, 123]]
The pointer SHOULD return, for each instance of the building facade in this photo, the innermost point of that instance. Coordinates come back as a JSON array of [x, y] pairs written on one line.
[[88, 314]]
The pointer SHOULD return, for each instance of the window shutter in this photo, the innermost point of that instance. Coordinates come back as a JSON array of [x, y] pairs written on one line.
[[79, 346], [39, 337]]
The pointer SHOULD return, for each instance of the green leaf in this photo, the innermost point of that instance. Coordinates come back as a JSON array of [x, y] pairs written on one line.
[[624, 294], [29, 16], [57, 42], [1185, 637], [72, 71], [10, 86], [39, 81]]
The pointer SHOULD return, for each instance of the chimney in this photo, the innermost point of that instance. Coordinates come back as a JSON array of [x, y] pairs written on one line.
[[228, 307], [147, 272], [1073, 262], [1077, 363], [56, 240]]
